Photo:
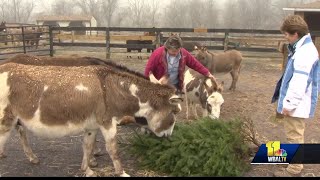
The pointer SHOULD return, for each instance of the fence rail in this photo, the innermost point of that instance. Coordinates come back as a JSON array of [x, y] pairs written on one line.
[[139, 38], [213, 39], [24, 39]]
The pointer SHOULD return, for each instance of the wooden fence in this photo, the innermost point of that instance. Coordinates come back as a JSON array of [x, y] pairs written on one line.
[[30, 39], [213, 39], [117, 37]]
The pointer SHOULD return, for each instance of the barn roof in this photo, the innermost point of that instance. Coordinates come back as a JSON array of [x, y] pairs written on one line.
[[310, 7], [17, 24], [64, 18]]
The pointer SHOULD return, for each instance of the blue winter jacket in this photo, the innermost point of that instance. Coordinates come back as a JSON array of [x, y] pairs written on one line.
[[297, 89]]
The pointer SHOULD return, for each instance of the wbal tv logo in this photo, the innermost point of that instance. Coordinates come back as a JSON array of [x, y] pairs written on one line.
[[275, 154]]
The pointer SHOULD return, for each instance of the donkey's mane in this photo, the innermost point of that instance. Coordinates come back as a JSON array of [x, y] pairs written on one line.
[[97, 61], [75, 61]]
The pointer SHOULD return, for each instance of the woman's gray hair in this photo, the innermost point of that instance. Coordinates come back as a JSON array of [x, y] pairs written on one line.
[[173, 42]]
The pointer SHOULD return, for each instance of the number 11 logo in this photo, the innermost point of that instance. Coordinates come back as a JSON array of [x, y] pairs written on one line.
[[273, 147]]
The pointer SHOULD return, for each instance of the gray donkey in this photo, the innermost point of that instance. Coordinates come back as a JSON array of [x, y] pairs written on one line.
[[225, 62]]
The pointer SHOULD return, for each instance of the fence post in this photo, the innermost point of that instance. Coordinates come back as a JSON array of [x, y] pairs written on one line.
[[226, 41], [108, 43], [51, 40], [23, 41], [72, 36], [158, 38]]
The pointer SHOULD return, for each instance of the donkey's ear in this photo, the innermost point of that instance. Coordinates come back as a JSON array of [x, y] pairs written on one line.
[[203, 48], [220, 87], [209, 89]]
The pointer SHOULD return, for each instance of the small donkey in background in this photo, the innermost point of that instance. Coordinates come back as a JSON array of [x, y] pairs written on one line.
[[225, 62]]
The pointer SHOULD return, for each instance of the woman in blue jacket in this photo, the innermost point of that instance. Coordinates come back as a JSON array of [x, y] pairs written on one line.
[[296, 92]]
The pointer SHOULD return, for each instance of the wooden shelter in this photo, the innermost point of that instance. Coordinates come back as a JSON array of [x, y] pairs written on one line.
[[311, 13]]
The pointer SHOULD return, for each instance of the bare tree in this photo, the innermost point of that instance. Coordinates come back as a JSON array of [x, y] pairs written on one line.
[[153, 12], [242, 15], [109, 8], [266, 14], [136, 7], [120, 17], [230, 16], [91, 7], [3, 9], [44, 6], [18, 11], [251, 16], [210, 13], [176, 14], [196, 12], [63, 7]]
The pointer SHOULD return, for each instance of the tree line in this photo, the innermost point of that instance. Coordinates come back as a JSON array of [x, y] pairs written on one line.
[[240, 14]]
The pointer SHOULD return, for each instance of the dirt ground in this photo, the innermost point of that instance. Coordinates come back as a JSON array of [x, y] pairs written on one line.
[[62, 157]]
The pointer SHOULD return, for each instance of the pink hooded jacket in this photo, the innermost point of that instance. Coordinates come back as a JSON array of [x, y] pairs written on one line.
[[157, 64]]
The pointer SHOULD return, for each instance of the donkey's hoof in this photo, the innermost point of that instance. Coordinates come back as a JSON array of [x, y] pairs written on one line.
[[124, 174], [90, 173], [93, 162], [2, 155], [35, 160]]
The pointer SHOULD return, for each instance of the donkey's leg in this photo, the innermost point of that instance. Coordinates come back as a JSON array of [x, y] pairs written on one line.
[[235, 75], [233, 84], [187, 106], [4, 134], [96, 150], [7, 123], [25, 144], [88, 143], [204, 112], [194, 108], [109, 132]]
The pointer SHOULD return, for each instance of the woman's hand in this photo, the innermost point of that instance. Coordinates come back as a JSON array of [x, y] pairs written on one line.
[[212, 77]]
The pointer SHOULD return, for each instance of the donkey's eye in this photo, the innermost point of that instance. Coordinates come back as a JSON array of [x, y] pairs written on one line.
[[171, 123]]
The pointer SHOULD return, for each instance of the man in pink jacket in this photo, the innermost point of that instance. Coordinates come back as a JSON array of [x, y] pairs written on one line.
[[171, 59]]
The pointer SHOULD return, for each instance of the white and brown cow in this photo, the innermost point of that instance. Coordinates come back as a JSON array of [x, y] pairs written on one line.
[[202, 91], [64, 100]]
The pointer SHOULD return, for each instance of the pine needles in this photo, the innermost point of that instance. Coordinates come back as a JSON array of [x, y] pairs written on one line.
[[204, 147]]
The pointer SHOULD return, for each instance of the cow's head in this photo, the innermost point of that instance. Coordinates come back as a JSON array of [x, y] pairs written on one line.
[[158, 113], [214, 97]]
